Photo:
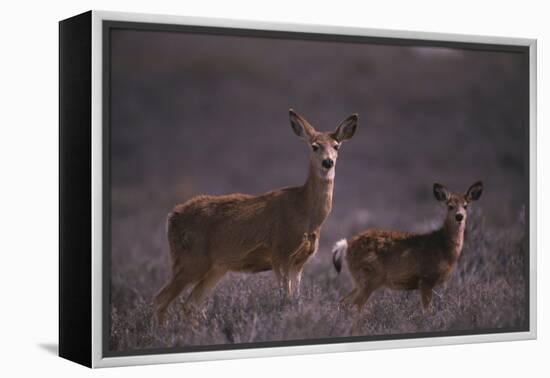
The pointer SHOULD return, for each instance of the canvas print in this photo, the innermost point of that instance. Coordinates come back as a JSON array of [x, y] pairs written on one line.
[[271, 189]]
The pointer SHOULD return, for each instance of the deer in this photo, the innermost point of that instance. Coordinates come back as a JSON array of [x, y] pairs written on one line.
[[279, 230], [407, 261]]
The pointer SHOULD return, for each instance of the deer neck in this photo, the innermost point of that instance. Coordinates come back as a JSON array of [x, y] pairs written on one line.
[[317, 198], [454, 237]]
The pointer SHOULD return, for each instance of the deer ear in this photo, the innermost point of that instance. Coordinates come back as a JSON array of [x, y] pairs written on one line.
[[441, 193], [347, 128], [300, 126], [474, 192]]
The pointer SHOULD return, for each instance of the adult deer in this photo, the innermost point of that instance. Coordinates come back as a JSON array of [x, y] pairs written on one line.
[[279, 230], [406, 261]]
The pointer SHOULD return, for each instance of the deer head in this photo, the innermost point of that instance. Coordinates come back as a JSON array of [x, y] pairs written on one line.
[[457, 203], [324, 146]]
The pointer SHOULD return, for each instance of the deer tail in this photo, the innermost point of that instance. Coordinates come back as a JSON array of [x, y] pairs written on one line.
[[338, 251]]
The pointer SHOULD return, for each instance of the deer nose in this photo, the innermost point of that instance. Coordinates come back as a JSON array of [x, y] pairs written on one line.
[[459, 217], [328, 163]]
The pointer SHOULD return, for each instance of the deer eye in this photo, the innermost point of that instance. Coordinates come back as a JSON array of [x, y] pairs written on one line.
[[465, 206], [315, 147], [336, 147], [451, 207]]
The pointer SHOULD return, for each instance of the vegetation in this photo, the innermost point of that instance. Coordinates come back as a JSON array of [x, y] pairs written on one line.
[[486, 291]]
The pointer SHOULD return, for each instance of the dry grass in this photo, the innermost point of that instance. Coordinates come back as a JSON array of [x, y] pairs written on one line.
[[486, 291]]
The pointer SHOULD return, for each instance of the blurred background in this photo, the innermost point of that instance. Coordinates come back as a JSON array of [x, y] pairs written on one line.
[[208, 114]]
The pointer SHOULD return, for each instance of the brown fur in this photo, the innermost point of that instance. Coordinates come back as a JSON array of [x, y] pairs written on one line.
[[406, 261], [279, 230]]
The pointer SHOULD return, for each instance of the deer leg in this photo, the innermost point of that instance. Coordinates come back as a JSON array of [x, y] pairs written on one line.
[[361, 298], [288, 260], [362, 295], [187, 268], [204, 287], [294, 278], [281, 270], [299, 258], [347, 297], [426, 295], [167, 294], [298, 280]]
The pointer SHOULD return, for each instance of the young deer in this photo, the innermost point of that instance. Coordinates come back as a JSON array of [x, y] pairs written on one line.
[[406, 261], [279, 230]]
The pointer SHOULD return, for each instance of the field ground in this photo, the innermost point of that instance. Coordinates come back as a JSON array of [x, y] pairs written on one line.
[[486, 291]]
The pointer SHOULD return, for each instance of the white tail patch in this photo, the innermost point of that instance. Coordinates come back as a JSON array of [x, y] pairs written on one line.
[[340, 246], [338, 251]]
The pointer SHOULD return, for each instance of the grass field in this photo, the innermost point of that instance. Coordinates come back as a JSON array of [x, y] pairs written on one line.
[[486, 291]]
